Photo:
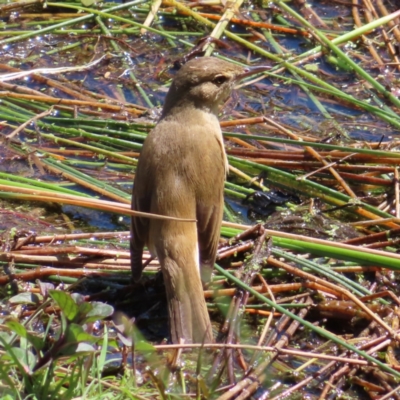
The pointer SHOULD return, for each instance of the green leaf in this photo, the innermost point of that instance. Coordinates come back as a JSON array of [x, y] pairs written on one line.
[[99, 311], [76, 339], [75, 333], [76, 350], [101, 359], [35, 341], [17, 328], [144, 346], [21, 331], [141, 344], [5, 337], [7, 397], [25, 357], [66, 303], [25, 298], [85, 348], [84, 309]]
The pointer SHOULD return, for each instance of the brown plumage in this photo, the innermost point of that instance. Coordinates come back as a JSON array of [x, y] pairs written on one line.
[[181, 173]]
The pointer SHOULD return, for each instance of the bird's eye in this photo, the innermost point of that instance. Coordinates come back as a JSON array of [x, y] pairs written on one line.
[[220, 79]]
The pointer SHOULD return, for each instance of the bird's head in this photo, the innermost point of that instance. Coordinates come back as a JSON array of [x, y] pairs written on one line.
[[204, 83]]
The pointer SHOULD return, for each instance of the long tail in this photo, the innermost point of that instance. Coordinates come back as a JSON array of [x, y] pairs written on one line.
[[188, 314]]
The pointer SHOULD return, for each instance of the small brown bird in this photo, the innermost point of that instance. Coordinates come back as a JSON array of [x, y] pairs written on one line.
[[181, 173]]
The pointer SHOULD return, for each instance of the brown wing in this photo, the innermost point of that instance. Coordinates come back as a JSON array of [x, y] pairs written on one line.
[[140, 226], [209, 225], [210, 209], [139, 229]]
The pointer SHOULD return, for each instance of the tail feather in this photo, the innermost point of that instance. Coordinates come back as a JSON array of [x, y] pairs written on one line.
[[188, 314], [136, 262]]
